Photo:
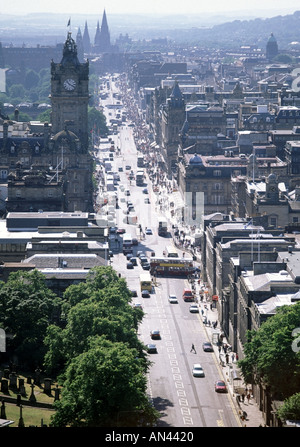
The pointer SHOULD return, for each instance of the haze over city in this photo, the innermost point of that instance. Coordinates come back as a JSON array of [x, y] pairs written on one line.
[[168, 7]]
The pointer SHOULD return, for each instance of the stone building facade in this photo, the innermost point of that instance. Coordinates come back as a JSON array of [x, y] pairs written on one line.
[[48, 166]]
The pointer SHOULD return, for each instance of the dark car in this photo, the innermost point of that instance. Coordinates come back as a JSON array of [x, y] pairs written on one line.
[[151, 348], [146, 266], [135, 241], [133, 260], [207, 347], [129, 265], [143, 259], [145, 294], [155, 335]]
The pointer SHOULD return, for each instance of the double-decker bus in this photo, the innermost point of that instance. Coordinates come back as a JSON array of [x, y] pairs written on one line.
[[171, 266]]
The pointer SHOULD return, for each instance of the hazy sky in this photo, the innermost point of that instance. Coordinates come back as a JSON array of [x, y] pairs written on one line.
[[142, 6]]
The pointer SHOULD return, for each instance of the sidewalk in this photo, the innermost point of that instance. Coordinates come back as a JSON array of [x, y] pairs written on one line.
[[253, 416]]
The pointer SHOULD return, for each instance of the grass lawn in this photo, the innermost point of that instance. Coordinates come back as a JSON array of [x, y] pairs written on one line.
[[32, 416]]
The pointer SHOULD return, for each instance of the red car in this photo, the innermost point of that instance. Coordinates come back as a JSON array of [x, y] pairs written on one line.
[[220, 386]]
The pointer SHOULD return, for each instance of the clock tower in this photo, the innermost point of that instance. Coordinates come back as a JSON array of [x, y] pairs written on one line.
[[70, 93]]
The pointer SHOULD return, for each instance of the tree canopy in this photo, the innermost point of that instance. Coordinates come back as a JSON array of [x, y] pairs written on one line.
[[27, 307], [271, 356], [97, 355], [105, 386]]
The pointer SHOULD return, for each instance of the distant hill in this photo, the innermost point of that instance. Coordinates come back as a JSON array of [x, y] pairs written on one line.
[[207, 30], [286, 29]]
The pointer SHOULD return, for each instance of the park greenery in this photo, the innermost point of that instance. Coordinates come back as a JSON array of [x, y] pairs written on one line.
[[87, 340], [272, 358]]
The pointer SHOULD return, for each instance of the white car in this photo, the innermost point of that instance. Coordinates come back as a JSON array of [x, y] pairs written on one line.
[[173, 299], [198, 370], [194, 308]]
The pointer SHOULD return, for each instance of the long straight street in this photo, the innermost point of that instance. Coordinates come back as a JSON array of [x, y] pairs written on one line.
[[182, 399]]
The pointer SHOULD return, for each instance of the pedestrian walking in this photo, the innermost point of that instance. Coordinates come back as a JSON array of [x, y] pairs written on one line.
[[248, 397], [193, 349]]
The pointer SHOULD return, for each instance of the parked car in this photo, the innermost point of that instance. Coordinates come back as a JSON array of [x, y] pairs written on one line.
[[133, 260], [207, 346], [151, 348], [146, 266], [220, 386], [145, 191], [194, 308], [145, 294], [143, 259], [146, 200], [127, 167], [198, 370], [173, 299], [129, 265], [148, 231], [155, 334]]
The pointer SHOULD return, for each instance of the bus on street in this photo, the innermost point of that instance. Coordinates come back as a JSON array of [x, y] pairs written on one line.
[[146, 281], [183, 267]]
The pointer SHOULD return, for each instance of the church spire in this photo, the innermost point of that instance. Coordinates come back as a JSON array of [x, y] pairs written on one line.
[[86, 40], [97, 35]]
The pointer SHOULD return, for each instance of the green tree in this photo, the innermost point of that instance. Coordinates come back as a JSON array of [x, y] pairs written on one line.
[[45, 116], [100, 306], [97, 122], [26, 308], [31, 79], [270, 356], [290, 410], [105, 386], [17, 91]]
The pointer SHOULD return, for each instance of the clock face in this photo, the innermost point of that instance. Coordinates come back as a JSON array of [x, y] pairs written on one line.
[[69, 84]]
